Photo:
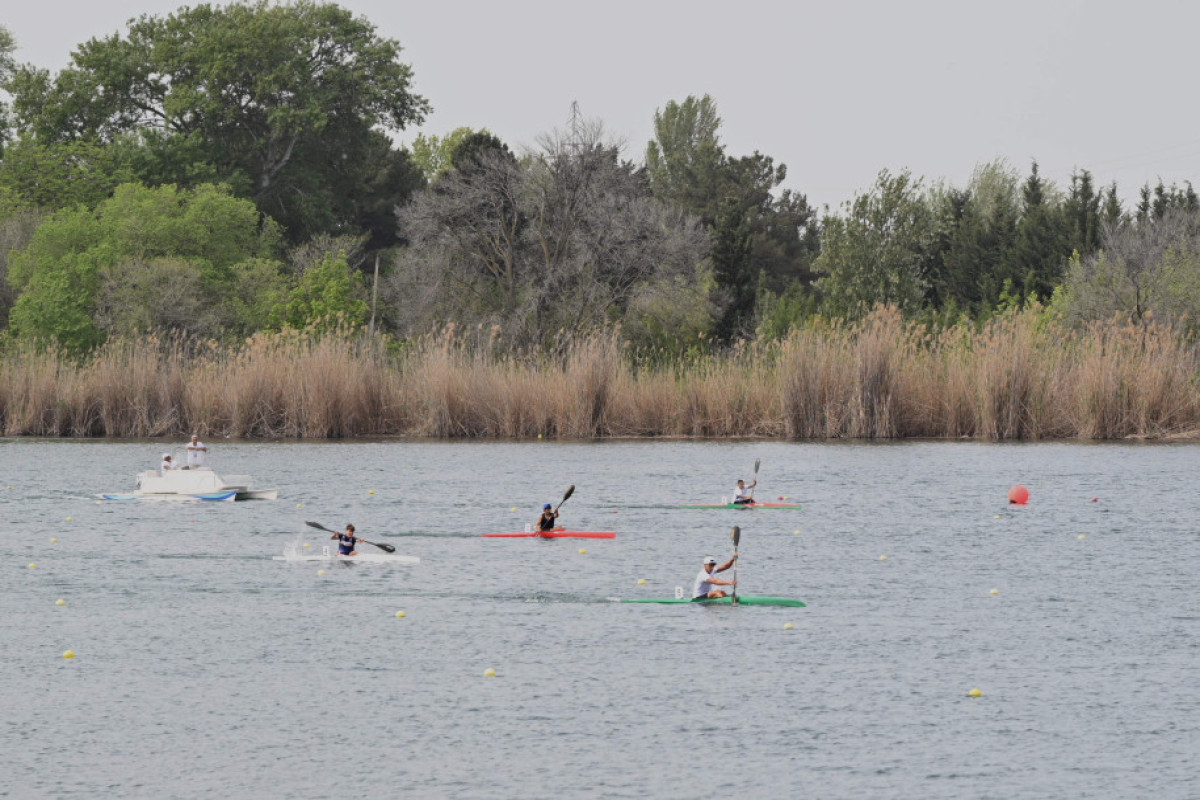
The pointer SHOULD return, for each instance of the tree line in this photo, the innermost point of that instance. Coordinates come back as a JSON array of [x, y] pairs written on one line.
[[223, 170]]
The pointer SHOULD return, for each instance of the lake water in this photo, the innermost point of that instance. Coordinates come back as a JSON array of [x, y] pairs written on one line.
[[204, 669]]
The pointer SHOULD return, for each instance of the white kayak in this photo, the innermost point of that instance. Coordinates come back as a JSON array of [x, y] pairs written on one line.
[[367, 558]]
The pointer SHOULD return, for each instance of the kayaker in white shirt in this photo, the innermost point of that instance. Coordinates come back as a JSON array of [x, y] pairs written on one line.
[[743, 494], [195, 453], [167, 463], [706, 585]]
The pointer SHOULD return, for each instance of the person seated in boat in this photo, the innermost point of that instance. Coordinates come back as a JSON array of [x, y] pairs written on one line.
[[706, 585], [346, 541], [195, 453], [167, 463], [743, 495], [546, 522]]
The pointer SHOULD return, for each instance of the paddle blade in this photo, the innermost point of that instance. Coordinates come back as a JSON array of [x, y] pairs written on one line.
[[570, 491], [387, 548], [757, 461], [318, 526], [736, 534]]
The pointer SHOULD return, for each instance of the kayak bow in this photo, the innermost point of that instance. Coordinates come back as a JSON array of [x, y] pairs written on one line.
[[554, 535]]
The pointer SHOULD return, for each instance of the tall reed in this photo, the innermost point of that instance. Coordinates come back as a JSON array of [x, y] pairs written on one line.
[[1022, 375]]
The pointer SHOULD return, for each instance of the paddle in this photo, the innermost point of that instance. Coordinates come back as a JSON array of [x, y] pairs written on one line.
[[736, 533], [570, 491], [757, 461], [387, 548]]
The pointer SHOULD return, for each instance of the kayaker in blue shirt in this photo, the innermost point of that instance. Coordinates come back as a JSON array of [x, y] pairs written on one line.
[[346, 541], [705, 586], [744, 495], [548, 520]]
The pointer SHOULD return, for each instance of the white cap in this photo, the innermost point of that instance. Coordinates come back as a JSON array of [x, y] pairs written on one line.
[[710, 560]]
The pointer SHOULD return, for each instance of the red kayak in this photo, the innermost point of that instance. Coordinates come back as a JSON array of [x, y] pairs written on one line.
[[556, 535]]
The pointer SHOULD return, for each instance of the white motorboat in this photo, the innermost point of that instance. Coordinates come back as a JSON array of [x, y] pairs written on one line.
[[198, 483]]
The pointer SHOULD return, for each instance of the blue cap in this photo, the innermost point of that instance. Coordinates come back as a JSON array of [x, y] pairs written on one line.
[[545, 506]]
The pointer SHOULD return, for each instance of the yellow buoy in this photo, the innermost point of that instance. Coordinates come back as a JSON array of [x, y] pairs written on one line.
[[997, 516], [320, 572], [995, 591], [787, 626], [514, 508], [582, 552], [883, 558], [69, 654], [641, 581], [33, 566], [70, 519], [797, 533], [370, 491], [299, 505], [60, 602], [306, 544], [489, 673], [53, 540], [1082, 537], [974, 693], [399, 613]]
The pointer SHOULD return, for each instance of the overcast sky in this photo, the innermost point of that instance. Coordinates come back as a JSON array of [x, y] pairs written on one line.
[[835, 90]]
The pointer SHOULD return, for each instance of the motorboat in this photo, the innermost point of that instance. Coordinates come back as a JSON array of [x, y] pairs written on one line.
[[199, 483]]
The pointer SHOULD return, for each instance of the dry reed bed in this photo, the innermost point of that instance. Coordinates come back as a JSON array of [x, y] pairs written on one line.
[[1022, 376]]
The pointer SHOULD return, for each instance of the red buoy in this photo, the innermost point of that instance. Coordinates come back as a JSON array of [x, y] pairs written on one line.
[[1018, 495]]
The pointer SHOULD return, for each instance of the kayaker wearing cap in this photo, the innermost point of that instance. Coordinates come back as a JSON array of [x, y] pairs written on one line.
[[167, 463], [346, 541], [705, 582], [546, 522], [743, 495]]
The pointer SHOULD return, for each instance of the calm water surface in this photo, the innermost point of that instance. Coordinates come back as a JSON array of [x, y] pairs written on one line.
[[205, 669]]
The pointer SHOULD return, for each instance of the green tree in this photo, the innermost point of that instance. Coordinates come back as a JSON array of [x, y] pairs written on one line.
[[8, 45], [877, 251], [290, 102], [775, 233], [327, 294], [433, 155], [62, 174], [685, 158], [1042, 246], [138, 237]]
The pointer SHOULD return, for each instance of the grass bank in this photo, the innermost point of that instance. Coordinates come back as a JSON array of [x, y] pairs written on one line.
[[1021, 376]]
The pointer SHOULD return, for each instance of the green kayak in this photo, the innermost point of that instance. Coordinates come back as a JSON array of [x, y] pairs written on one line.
[[748, 506], [743, 600]]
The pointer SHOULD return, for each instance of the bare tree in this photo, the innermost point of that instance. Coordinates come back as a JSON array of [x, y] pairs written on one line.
[[544, 248], [1147, 266]]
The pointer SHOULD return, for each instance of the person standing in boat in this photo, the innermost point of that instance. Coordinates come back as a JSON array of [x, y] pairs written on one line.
[[346, 541], [167, 463], [744, 495], [195, 453], [706, 585], [548, 520]]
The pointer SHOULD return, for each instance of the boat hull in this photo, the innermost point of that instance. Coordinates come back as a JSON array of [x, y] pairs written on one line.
[[554, 535], [361, 558], [743, 600], [213, 496], [751, 506], [203, 484]]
